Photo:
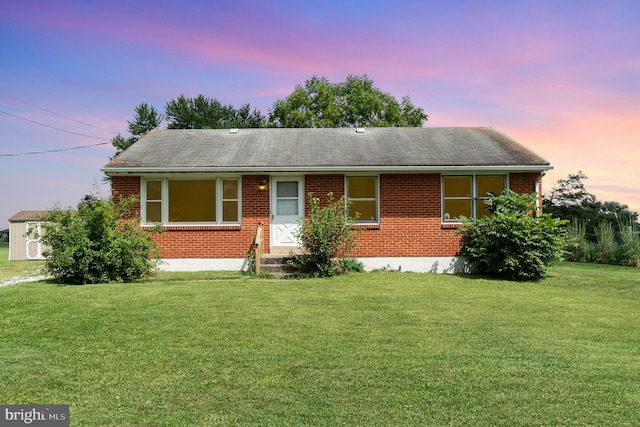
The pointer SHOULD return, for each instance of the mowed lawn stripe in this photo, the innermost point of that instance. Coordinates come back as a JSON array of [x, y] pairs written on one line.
[[362, 349]]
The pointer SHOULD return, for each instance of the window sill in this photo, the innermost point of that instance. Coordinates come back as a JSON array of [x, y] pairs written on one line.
[[367, 226], [213, 227], [450, 225]]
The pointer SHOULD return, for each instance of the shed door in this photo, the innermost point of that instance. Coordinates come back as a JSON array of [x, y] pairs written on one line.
[[33, 243], [287, 206]]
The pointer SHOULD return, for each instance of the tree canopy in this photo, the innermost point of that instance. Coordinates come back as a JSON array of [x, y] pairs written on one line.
[[354, 102], [146, 118], [318, 103], [207, 113], [570, 200]]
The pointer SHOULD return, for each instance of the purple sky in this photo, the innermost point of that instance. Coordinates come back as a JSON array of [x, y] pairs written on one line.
[[563, 78]]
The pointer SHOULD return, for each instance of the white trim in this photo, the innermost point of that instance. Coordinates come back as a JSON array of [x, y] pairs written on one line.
[[113, 171], [474, 193], [202, 264], [273, 188], [164, 202], [448, 265], [442, 265], [377, 197]]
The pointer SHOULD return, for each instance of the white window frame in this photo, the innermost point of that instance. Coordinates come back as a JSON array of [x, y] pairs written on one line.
[[165, 200], [474, 196], [377, 197]]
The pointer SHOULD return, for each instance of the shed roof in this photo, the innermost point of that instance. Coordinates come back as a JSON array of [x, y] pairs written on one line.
[[28, 216], [183, 150]]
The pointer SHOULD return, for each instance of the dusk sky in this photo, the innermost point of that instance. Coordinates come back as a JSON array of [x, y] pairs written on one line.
[[560, 77]]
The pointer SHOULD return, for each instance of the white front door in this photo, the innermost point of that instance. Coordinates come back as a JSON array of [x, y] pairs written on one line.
[[287, 206]]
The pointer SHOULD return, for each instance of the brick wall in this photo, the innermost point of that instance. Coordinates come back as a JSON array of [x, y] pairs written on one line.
[[125, 186], [410, 222], [524, 183], [410, 218], [210, 241]]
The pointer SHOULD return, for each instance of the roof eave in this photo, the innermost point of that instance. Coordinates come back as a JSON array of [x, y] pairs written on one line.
[[114, 171]]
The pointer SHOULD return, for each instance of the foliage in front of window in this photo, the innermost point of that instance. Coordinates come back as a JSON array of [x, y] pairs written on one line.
[[326, 235], [516, 242], [98, 243]]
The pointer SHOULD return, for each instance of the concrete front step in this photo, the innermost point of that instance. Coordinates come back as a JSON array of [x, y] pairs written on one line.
[[275, 264]]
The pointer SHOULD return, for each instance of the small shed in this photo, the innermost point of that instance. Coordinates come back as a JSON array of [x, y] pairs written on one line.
[[22, 244]]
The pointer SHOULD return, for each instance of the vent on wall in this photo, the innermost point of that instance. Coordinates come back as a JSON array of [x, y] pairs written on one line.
[[234, 131], [359, 130]]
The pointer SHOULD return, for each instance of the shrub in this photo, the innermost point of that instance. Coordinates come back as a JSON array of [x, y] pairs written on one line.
[[350, 265], [325, 234], [630, 237], [612, 245], [98, 243], [606, 249], [578, 248], [516, 241]]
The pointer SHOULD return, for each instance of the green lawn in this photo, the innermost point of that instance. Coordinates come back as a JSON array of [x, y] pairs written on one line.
[[384, 349], [9, 269]]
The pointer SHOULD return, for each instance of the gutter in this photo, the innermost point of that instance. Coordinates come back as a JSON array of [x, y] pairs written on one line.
[[115, 171]]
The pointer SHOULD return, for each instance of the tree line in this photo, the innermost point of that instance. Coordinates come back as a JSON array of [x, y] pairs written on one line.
[[600, 232], [318, 103]]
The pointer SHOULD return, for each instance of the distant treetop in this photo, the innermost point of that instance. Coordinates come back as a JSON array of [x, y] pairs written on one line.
[[353, 103]]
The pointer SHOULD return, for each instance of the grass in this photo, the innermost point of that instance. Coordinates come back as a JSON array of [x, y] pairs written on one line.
[[10, 269], [200, 349]]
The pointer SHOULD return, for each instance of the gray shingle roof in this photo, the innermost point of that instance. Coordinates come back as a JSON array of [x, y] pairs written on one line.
[[324, 149]]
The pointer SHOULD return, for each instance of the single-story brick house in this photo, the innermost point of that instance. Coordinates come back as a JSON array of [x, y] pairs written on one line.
[[210, 188]]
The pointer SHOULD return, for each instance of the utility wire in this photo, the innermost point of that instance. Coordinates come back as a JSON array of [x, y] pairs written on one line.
[[57, 114], [59, 129], [53, 127], [53, 151]]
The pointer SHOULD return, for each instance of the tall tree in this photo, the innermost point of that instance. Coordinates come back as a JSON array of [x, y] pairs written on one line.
[[570, 200], [207, 113], [146, 118], [354, 102]]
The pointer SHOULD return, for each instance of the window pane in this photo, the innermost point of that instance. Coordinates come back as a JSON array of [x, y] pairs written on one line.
[[287, 189], [457, 186], [154, 190], [230, 211], [154, 213], [192, 201], [366, 209], [454, 208], [229, 189], [489, 184], [287, 207], [480, 209], [362, 187]]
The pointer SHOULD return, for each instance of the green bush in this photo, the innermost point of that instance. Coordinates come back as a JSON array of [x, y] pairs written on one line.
[[98, 243], [607, 250], [350, 265], [578, 248], [611, 245], [516, 241], [326, 234], [630, 237]]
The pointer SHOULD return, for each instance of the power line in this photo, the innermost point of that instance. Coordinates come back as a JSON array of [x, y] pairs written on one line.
[[57, 114], [54, 151], [53, 127], [29, 153]]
